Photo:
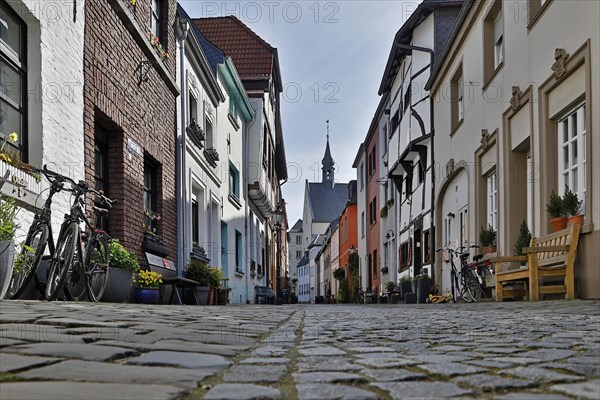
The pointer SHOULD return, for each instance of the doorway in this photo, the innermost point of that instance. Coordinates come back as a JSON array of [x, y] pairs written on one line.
[[417, 259]]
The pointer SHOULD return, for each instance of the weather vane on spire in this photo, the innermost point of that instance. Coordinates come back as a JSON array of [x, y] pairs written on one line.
[[327, 130]]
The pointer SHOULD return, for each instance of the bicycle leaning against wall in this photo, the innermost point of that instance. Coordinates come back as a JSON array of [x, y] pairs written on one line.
[[80, 263], [464, 285], [39, 238]]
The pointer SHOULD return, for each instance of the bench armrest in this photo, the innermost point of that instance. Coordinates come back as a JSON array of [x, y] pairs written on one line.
[[545, 249]]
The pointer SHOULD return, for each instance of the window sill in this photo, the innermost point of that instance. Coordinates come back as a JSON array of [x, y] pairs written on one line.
[[457, 127], [233, 121], [239, 274], [587, 228], [233, 199], [492, 76]]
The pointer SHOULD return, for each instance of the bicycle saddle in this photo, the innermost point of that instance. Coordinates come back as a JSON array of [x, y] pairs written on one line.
[[477, 257]]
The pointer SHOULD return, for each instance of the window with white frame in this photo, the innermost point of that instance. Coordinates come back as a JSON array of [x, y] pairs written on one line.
[[492, 199], [460, 88], [572, 151]]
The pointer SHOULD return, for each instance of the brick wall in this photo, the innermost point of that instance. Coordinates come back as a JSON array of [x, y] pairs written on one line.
[[143, 113]]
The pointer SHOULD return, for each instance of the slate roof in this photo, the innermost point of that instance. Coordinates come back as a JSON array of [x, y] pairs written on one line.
[[252, 55], [318, 241], [214, 55], [304, 260], [297, 226], [327, 203]]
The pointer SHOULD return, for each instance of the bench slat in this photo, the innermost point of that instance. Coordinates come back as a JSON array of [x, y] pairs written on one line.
[[545, 249]]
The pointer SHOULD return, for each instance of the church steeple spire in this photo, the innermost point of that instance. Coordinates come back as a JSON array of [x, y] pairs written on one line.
[[328, 164]]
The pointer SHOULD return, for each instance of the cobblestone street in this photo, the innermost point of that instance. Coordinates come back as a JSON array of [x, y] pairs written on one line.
[[543, 350]]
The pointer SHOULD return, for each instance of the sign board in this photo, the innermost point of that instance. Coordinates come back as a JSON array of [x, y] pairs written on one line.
[[134, 148], [157, 261]]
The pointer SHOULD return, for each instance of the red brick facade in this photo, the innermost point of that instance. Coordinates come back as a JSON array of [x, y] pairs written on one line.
[[132, 113]]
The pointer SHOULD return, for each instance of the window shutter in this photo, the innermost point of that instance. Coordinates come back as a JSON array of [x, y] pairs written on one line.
[[498, 27], [409, 258]]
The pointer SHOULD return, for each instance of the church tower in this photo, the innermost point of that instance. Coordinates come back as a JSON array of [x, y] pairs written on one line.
[[328, 164]]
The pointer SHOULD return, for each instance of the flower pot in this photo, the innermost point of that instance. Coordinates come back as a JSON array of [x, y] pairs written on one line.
[[576, 219], [489, 249], [405, 287], [423, 289], [119, 285], [7, 257], [202, 294], [410, 298], [222, 297], [146, 295], [394, 298], [558, 224]]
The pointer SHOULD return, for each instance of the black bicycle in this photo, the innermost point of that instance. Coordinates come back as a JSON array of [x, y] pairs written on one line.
[[463, 284], [80, 263], [39, 238]]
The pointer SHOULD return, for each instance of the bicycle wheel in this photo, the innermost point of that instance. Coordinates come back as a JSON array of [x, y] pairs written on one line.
[[471, 288], [31, 255], [75, 286], [97, 268], [61, 262]]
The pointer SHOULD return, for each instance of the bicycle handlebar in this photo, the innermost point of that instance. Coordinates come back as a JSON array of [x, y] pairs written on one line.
[[82, 185]]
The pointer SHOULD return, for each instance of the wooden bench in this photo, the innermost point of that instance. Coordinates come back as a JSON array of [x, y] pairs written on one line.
[[171, 279], [550, 256]]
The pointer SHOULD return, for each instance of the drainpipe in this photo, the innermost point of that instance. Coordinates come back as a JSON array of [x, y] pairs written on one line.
[[181, 27], [247, 205], [431, 55]]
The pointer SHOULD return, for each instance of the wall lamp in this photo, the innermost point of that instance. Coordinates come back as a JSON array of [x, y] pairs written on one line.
[[451, 215]]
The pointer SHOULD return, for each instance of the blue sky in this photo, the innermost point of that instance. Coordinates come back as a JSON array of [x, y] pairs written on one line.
[[332, 56]]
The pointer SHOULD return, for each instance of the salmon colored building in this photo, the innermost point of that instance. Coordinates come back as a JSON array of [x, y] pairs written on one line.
[[373, 277], [348, 230]]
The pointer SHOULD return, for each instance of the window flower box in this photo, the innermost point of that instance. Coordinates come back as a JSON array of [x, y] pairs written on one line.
[[212, 156], [20, 185]]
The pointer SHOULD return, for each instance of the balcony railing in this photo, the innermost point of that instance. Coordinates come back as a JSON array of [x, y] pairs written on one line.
[[261, 192]]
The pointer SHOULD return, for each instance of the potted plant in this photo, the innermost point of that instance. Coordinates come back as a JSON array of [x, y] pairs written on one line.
[[423, 284], [198, 271], [555, 209], [523, 240], [392, 291], [8, 226], [487, 240], [122, 264], [405, 285], [572, 207], [384, 270], [223, 293], [146, 287], [216, 276]]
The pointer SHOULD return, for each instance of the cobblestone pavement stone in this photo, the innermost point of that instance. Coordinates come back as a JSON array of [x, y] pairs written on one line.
[[520, 350]]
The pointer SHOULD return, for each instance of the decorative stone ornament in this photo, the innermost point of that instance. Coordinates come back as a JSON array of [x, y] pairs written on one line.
[[450, 168], [515, 100], [485, 139], [560, 60]]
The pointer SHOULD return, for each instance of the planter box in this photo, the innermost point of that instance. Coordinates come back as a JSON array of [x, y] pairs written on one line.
[[423, 289], [7, 257], [394, 298], [410, 298], [405, 287], [202, 294], [21, 186], [152, 244], [119, 285]]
